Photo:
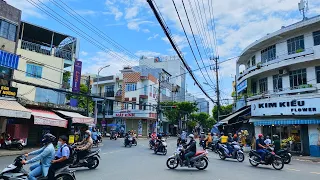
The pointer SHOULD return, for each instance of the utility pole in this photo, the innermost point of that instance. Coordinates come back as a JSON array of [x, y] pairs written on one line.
[[217, 90], [89, 92], [158, 104], [235, 85]]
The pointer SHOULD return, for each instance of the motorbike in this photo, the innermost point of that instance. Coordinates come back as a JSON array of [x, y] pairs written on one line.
[[203, 144], [128, 141], [14, 143], [199, 160], [283, 153], [161, 146], [134, 141], [214, 147], [114, 136], [237, 152], [152, 143], [16, 171], [91, 160], [99, 138], [270, 159]]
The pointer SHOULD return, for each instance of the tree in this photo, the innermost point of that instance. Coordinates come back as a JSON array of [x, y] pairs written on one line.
[[210, 122], [82, 100], [172, 114], [202, 119], [224, 110], [176, 110]]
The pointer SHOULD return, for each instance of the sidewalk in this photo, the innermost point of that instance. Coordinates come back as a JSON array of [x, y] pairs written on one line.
[[306, 158], [14, 152]]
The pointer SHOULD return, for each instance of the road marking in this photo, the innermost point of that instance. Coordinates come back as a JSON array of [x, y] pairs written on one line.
[[293, 169], [315, 173]]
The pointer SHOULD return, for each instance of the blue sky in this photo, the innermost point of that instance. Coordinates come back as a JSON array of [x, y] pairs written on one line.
[[132, 24]]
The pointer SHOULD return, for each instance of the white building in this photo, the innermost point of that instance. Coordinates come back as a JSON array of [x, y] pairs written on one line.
[[281, 81], [174, 66]]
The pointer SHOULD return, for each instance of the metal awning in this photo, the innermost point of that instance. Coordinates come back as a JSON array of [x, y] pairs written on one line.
[[226, 120], [77, 118], [11, 108], [263, 122], [48, 118]]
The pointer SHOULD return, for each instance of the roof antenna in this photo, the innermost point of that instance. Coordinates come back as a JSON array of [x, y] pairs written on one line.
[[303, 7]]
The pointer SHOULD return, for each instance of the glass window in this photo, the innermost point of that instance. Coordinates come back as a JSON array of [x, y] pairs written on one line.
[[4, 29], [295, 45], [8, 30], [316, 38], [126, 106], [318, 73], [134, 105], [277, 83], [131, 87], [109, 88], [145, 90], [34, 71], [253, 60], [248, 64], [254, 87], [298, 77], [12, 32], [263, 85], [268, 54]]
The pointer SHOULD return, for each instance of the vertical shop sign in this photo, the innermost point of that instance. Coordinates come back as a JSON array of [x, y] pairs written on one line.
[[76, 76]]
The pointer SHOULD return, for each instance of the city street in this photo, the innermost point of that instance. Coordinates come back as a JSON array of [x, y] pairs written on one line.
[[120, 163]]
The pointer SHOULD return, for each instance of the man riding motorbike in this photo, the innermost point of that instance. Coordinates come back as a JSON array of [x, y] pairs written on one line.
[[191, 149], [208, 139], [45, 155], [230, 141], [260, 147], [85, 145], [61, 157]]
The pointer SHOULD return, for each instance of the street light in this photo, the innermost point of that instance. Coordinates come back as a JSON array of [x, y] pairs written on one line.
[[96, 103]]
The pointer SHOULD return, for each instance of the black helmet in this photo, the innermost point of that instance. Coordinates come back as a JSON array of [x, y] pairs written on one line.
[[48, 138], [64, 138]]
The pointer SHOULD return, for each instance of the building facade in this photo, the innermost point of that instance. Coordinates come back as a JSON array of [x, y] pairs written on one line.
[[202, 105], [279, 75]]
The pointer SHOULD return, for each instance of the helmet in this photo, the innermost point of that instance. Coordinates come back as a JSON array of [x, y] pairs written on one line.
[[235, 135], [230, 134], [88, 132], [202, 132], [48, 138], [191, 136], [209, 133], [267, 137], [222, 134], [64, 138], [260, 135]]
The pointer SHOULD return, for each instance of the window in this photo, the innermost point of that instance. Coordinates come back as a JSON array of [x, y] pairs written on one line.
[[109, 88], [134, 105], [316, 38], [318, 73], [263, 85], [34, 71], [277, 83], [145, 90], [254, 87], [253, 60], [298, 77], [295, 45], [131, 87], [126, 106], [248, 64], [268, 54], [8, 30]]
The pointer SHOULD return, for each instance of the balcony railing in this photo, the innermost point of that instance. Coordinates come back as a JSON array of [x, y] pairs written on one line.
[[105, 94], [36, 48], [63, 54]]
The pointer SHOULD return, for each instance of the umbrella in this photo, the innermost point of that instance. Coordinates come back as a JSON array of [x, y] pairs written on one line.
[[112, 125]]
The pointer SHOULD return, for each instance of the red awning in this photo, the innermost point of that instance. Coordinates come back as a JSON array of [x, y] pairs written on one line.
[[49, 118]]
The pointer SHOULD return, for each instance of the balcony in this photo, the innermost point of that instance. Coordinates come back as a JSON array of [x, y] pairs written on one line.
[[279, 62], [105, 94], [60, 53]]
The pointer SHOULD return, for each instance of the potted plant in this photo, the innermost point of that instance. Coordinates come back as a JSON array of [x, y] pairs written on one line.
[[299, 50], [259, 65]]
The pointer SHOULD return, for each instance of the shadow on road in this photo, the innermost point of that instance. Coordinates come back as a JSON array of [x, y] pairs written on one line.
[[187, 170]]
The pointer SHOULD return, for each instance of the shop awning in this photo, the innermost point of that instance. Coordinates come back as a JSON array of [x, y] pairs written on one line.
[[226, 120], [11, 108], [48, 118], [258, 122], [77, 118]]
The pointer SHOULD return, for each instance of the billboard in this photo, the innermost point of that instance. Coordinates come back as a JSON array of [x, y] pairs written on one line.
[[76, 76]]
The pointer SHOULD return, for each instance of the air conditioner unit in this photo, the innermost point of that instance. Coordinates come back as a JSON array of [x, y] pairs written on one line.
[[283, 71]]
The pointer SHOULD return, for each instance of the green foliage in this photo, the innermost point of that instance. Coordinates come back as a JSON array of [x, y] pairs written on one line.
[[191, 124], [210, 122], [82, 100], [202, 118], [224, 110], [181, 109]]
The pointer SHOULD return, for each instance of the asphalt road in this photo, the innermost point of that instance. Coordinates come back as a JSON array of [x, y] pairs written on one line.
[[140, 163]]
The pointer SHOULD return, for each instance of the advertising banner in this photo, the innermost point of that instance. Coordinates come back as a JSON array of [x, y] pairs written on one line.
[[76, 76], [241, 86]]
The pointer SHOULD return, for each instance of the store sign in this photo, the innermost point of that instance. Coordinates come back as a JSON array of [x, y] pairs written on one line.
[[125, 115], [286, 107], [76, 76], [8, 91], [241, 86]]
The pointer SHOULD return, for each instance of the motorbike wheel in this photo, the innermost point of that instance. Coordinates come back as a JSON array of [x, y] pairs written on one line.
[[205, 164], [20, 147], [286, 159], [130, 144], [254, 161], [172, 163], [136, 143], [64, 177], [155, 150], [115, 138], [240, 157], [164, 151], [277, 163], [221, 155], [94, 162]]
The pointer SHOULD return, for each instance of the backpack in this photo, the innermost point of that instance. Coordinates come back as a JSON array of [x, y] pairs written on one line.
[[71, 156]]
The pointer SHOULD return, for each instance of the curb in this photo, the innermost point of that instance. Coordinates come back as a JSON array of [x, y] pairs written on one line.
[[14, 153]]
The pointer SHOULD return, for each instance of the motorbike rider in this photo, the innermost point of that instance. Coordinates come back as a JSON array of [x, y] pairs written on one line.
[[230, 141], [94, 135], [277, 143], [61, 157], [184, 136], [223, 138], [84, 146], [127, 135], [153, 138], [267, 141], [202, 136], [208, 139], [191, 149], [260, 147], [45, 155]]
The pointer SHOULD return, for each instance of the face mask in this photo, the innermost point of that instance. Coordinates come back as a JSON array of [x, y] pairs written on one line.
[[59, 144], [86, 136]]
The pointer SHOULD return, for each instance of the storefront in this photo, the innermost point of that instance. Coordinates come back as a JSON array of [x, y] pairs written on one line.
[[296, 122]]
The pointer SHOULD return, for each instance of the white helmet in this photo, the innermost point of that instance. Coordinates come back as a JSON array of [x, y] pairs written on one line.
[[191, 136]]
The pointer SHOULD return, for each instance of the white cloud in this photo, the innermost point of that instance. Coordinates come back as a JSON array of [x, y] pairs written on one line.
[[131, 12], [180, 40], [147, 53], [145, 30], [28, 9], [83, 53], [134, 24], [153, 37]]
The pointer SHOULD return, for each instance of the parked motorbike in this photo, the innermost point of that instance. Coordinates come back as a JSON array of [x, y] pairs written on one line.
[[283, 153], [91, 160], [128, 141], [199, 160], [270, 159], [161, 146], [237, 153], [16, 171], [14, 143]]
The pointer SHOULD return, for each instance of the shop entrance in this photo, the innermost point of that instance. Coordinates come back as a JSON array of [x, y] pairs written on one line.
[[290, 133]]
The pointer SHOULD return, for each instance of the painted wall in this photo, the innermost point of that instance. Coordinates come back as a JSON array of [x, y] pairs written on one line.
[[314, 139]]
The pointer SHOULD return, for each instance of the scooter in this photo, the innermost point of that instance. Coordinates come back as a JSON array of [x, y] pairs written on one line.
[[128, 141], [14, 143], [270, 159], [161, 146], [283, 153], [237, 153], [90, 161], [16, 171]]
